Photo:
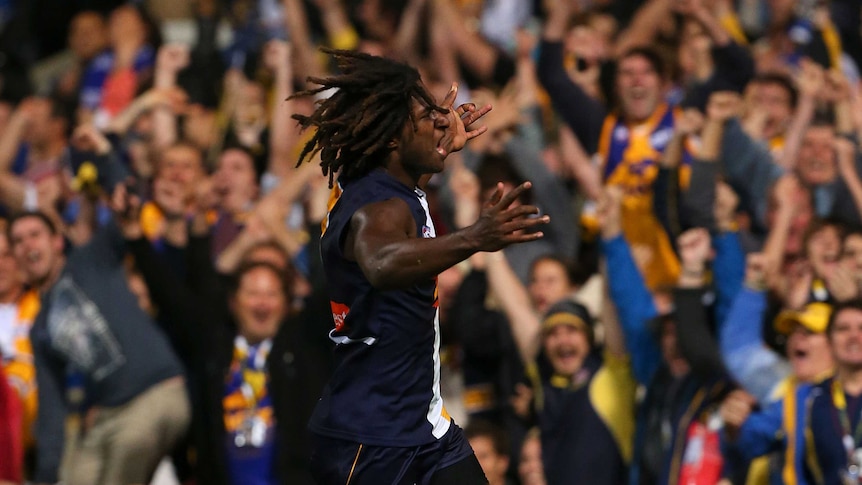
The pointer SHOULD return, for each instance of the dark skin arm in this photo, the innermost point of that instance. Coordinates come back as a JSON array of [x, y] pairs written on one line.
[[383, 241]]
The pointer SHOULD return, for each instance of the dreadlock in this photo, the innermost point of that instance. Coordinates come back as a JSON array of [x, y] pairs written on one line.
[[372, 101]]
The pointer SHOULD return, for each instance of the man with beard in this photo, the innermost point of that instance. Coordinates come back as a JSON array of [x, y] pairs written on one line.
[[584, 399]]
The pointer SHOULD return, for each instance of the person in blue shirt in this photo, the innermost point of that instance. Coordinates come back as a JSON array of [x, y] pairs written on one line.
[[381, 418], [829, 449]]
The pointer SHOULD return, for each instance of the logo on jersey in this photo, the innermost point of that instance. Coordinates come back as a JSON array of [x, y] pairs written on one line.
[[426, 232], [339, 313], [660, 138]]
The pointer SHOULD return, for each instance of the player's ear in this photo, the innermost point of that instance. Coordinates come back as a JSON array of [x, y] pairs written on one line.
[[393, 144]]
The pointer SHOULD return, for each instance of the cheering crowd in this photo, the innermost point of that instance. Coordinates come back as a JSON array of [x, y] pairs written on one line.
[[692, 314]]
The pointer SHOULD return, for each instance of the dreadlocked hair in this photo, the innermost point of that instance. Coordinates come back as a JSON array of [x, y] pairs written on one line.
[[372, 101]]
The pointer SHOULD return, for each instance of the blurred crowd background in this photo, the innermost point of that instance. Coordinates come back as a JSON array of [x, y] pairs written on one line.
[[161, 296]]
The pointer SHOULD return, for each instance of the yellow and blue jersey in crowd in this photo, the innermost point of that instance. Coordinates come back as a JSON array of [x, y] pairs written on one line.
[[248, 416], [587, 421], [385, 390], [777, 467], [631, 156], [806, 427]]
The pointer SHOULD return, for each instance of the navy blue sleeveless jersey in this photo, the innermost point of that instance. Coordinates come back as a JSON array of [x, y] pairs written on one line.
[[385, 390]]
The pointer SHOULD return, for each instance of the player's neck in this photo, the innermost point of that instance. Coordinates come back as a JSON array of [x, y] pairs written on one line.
[[397, 171]]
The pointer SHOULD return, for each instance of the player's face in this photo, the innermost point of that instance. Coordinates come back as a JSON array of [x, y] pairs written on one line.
[[846, 338], [566, 347], [260, 304], [421, 146]]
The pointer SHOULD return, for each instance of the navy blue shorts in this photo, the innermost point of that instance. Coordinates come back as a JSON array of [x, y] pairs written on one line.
[[449, 460]]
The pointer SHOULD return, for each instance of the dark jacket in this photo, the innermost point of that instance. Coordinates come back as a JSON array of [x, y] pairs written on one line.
[[125, 354], [672, 404], [200, 322]]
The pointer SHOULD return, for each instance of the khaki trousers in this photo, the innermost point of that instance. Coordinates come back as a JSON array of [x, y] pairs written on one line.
[[125, 443]]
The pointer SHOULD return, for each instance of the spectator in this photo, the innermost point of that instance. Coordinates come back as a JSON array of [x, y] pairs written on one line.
[[492, 449], [760, 369], [252, 426], [768, 376], [110, 82], [551, 279], [673, 354], [826, 278], [18, 307], [42, 126], [771, 99], [809, 151], [61, 75], [530, 469], [236, 183], [490, 363], [133, 379], [826, 448], [630, 157], [180, 165], [709, 57], [569, 372]]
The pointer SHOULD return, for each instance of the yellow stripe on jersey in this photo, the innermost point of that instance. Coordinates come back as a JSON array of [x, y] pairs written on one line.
[[788, 473], [334, 195]]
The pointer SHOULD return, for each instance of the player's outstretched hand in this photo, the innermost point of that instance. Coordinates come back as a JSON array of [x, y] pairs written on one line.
[[501, 224]]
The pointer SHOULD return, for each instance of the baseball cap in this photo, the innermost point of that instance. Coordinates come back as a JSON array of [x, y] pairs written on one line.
[[814, 317]]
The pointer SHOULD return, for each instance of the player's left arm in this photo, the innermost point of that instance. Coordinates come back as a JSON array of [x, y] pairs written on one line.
[[383, 240]]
